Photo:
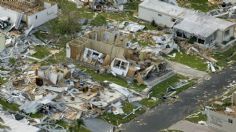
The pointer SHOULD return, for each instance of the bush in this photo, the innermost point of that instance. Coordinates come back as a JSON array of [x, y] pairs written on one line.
[[154, 23], [41, 52], [99, 21], [65, 26], [12, 61]]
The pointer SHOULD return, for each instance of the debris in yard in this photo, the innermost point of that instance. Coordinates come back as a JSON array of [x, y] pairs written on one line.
[[131, 27], [54, 75], [117, 108], [121, 58], [226, 11], [202, 123], [133, 112], [173, 55], [211, 67], [171, 90], [105, 5], [63, 92]]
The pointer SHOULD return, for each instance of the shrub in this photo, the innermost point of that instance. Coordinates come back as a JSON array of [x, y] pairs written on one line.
[[99, 21]]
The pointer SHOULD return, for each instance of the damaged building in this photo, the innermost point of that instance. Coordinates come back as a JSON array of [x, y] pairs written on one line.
[[198, 27], [105, 50], [32, 12], [213, 30], [108, 5], [223, 118], [102, 5], [63, 92]]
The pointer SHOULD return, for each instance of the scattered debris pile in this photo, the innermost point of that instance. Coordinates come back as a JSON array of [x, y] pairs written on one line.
[[102, 5], [62, 92], [130, 27], [108, 5], [226, 11], [111, 51]]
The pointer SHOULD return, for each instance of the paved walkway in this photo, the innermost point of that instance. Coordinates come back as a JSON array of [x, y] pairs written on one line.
[[187, 71]]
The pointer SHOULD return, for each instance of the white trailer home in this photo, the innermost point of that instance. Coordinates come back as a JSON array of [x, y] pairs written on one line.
[[162, 13], [205, 29], [200, 27], [38, 18], [33, 14]]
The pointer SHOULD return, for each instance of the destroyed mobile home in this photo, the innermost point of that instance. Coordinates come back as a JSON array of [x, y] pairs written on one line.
[[63, 92], [102, 5], [112, 52], [32, 13]]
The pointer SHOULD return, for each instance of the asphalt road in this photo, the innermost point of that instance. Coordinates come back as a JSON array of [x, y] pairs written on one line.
[[165, 115]]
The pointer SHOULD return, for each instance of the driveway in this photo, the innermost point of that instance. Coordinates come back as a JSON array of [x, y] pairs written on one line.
[[187, 71]]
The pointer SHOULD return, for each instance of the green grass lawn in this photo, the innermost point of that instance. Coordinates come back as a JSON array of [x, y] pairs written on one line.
[[40, 35], [118, 119], [195, 118], [160, 89], [150, 103], [37, 115], [201, 5], [83, 129], [9, 106], [85, 13], [119, 16], [99, 20], [67, 22], [66, 125], [191, 84], [55, 59], [2, 81], [224, 57], [41, 52], [132, 5], [190, 60]]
